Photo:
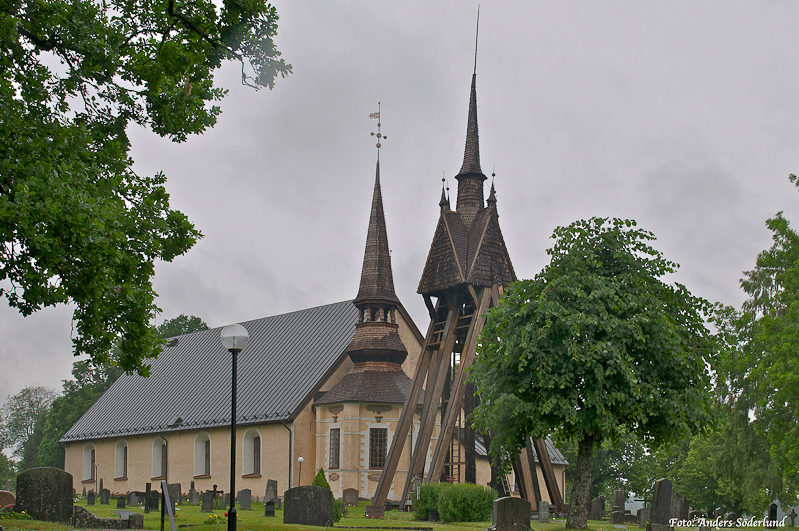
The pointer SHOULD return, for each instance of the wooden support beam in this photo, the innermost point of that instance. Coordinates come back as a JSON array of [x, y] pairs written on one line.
[[528, 448], [454, 406], [525, 479], [549, 475], [404, 422]]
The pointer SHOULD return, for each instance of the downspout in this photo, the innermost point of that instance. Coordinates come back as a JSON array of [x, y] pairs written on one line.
[[291, 456]]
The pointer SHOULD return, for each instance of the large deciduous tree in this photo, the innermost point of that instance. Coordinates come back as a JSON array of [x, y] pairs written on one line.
[[595, 344], [77, 225], [20, 414]]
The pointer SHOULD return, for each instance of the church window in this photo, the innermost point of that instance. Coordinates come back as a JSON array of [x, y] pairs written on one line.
[[202, 454], [88, 462], [159, 459], [251, 452], [121, 459], [335, 447], [378, 439]]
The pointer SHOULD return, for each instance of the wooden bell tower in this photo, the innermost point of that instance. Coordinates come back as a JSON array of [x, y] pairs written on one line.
[[467, 268]]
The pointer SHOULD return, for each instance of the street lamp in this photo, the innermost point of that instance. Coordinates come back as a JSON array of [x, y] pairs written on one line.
[[234, 338], [299, 477]]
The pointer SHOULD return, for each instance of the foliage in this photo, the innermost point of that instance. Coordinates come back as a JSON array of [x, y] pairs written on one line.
[[77, 225], [180, 325], [428, 499], [215, 519], [760, 367], [594, 344], [20, 414], [11, 515], [465, 502], [7, 469], [337, 510], [319, 480]]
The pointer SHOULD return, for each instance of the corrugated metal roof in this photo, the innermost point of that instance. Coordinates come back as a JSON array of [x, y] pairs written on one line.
[[555, 457], [286, 360]]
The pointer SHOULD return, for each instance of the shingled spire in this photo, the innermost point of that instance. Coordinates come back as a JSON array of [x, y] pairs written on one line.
[[470, 179], [377, 280]]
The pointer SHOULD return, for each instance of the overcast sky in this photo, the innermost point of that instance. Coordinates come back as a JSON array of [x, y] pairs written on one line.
[[681, 115]]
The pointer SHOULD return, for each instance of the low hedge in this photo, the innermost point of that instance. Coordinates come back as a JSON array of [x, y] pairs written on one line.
[[428, 499], [466, 502]]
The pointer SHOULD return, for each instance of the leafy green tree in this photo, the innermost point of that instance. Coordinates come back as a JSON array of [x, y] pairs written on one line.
[[77, 225], [7, 469], [90, 382], [595, 344], [20, 414], [761, 362], [182, 324]]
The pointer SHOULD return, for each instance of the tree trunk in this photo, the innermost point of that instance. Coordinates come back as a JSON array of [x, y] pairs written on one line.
[[581, 489]]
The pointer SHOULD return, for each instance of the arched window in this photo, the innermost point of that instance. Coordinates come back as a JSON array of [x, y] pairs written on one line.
[[121, 459], [251, 452], [202, 454], [89, 458], [159, 457]]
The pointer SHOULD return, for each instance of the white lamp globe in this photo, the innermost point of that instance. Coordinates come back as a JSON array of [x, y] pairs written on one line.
[[234, 337]]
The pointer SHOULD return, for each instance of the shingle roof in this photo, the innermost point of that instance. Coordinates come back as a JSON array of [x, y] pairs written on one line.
[[288, 357], [387, 386]]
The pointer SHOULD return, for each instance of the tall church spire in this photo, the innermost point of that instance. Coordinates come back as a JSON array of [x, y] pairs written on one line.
[[471, 155], [470, 179], [377, 280]]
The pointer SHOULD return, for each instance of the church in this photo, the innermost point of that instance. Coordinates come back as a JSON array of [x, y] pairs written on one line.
[[322, 387]]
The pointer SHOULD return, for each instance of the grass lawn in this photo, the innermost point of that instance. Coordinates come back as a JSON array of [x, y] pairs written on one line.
[[254, 520]]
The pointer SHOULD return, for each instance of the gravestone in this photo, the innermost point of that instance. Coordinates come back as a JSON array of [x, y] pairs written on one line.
[[208, 502], [155, 500], [124, 514], [193, 497], [772, 512], [135, 497], [643, 516], [45, 494], [147, 490], [101, 485], [271, 490], [309, 505], [175, 493], [121, 502], [660, 511], [679, 506], [630, 518], [597, 506], [350, 497], [84, 491], [693, 515], [543, 513], [510, 514], [9, 485], [792, 516], [619, 499], [7, 498], [277, 503], [733, 519], [718, 513], [244, 498], [269, 508], [378, 511], [105, 497], [617, 518], [90, 498]]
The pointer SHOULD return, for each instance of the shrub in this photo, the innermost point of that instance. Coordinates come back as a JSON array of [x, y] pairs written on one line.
[[319, 480], [465, 502], [336, 509], [428, 499]]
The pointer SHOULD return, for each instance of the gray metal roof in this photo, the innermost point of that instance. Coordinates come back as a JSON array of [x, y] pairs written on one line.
[[555, 457], [286, 360]]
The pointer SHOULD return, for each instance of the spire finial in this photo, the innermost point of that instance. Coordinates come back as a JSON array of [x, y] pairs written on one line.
[[476, 33], [379, 135], [444, 202]]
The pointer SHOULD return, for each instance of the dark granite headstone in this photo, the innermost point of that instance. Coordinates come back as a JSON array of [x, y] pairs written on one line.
[[308, 505], [90, 498], [175, 493], [244, 497], [101, 486], [208, 502], [617, 518], [147, 490], [792, 516], [105, 497], [733, 519], [7, 498], [718, 513], [660, 512], [193, 497], [350, 497], [269, 508], [120, 502], [772, 512], [155, 500], [377, 511], [630, 519], [679, 506], [643, 516], [84, 491], [510, 514], [596, 508], [543, 513], [45, 494], [271, 490]]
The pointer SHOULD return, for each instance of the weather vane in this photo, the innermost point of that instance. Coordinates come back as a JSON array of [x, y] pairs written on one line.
[[379, 135]]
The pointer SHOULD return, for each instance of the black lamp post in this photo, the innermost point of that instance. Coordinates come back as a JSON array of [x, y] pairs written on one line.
[[234, 338]]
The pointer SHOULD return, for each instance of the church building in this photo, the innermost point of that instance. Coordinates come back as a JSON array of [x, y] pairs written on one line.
[[318, 388]]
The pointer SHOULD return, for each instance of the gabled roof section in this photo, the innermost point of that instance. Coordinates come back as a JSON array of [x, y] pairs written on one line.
[[555, 456], [384, 385], [286, 360], [377, 280]]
